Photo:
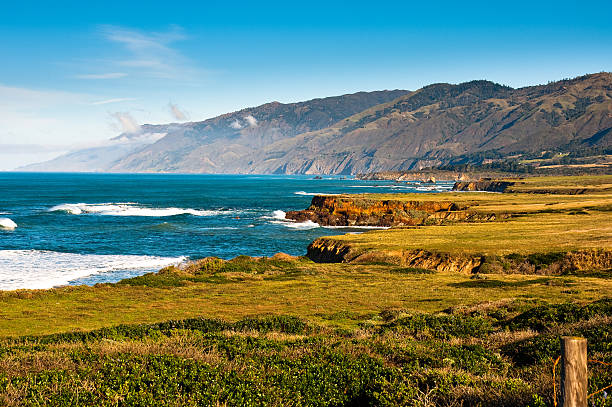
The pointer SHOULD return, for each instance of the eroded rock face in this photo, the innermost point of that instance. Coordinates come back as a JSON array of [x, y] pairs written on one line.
[[483, 185], [339, 211], [488, 185], [324, 250], [327, 250]]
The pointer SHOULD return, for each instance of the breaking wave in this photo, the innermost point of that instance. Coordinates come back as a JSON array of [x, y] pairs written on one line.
[[7, 223], [279, 215], [36, 269], [301, 225], [131, 209], [313, 193]]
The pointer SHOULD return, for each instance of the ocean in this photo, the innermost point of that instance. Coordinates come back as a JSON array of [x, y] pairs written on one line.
[[58, 229]]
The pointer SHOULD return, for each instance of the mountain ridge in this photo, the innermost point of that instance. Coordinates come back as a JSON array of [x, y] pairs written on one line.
[[438, 124]]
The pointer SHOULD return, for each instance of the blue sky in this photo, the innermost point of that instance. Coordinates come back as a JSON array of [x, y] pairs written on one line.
[[74, 74]]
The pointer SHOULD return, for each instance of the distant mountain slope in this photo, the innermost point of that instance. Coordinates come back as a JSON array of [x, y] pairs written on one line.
[[218, 144], [441, 122], [388, 130], [101, 158]]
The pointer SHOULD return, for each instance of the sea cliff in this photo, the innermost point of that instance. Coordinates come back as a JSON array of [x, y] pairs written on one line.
[[352, 211]]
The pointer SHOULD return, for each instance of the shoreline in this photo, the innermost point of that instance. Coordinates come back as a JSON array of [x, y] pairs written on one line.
[[373, 214]]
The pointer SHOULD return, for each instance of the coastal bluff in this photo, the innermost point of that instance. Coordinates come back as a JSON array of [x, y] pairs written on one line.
[[349, 211], [468, 231]]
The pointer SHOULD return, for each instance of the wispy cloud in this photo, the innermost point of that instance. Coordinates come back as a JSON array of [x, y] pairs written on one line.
[[39, 124], [177, 113], [152, 53], [31, 148], [116, 100], [236, 125], [126, 122], [110, 75], [251, 120]]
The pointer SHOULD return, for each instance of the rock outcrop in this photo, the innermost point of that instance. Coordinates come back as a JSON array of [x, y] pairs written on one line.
[[483, 185], [492, 185], [325, 250], [341, 211], [328, 250]]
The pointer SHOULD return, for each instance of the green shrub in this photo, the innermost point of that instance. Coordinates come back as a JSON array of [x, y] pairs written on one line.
[[548, 316], [411, 270], [440, 326]]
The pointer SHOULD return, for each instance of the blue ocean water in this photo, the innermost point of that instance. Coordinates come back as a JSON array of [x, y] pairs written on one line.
[[89, 228]]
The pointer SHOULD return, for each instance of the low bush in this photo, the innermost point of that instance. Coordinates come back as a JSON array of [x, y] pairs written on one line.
[[548, 316], [440, 326]]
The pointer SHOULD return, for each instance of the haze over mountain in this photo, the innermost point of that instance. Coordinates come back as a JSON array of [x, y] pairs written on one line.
[[368, 131]]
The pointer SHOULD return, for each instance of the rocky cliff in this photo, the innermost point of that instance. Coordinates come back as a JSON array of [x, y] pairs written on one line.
[[328, 250], [345, 211], [483, 185]]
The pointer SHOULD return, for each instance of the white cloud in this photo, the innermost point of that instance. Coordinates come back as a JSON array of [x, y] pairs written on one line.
[[145, 138], [31, 148], [151, 53], [126, 122], [236, 125], [251, 120], [107, 101], [13, 98], [38, 125], [33, 116], [110, 75], [177, 113]]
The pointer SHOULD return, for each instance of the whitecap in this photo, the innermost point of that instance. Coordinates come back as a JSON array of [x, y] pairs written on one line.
[[7, 223], [131, 209], [36, 269], [301, 225], [314, 193], [279, 214]]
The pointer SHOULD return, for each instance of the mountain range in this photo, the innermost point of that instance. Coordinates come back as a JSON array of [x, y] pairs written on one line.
[[369, 131]]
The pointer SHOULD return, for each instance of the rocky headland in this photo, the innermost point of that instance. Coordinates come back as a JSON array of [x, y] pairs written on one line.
[[485, 185], [327, 250], [353, 211]]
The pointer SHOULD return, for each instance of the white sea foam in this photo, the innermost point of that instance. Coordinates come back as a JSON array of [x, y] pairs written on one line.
[[313, 193], [279, 219], [7, 223], [441, 187], [131, 209], [279, 215], [301, 225], [34, 269]]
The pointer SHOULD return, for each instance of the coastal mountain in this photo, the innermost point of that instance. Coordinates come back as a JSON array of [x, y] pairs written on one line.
[[389, 130], [101, 157], [444, 123], [215, 145]]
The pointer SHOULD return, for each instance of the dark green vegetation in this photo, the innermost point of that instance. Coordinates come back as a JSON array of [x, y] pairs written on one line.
[[561, 127], [215, 270], [490, 354]]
